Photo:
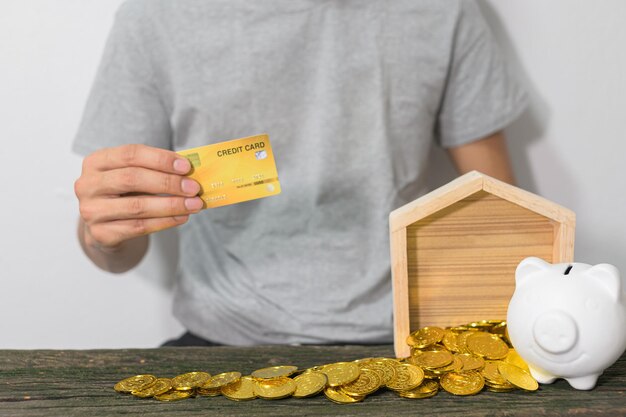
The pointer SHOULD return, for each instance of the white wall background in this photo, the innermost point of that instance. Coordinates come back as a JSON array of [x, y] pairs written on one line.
[[569, 147]]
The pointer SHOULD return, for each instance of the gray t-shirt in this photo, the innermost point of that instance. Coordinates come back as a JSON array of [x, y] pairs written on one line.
[[353, 94]]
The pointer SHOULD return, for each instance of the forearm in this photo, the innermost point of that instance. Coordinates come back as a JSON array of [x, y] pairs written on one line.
[[120, 259], [488, 155]]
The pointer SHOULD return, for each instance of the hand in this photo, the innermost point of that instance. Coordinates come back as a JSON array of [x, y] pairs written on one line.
[[131, 191]]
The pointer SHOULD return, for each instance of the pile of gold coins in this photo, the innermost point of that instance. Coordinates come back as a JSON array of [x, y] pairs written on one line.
[[461, 360]]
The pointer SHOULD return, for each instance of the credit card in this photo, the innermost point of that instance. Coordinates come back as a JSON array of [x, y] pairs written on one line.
[[234, 171]]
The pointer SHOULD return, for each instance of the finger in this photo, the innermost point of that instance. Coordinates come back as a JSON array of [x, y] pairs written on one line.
[[142, 180], [137, 155], [140, 207], [113, 233]]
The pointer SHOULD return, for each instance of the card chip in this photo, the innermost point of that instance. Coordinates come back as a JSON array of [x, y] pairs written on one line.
[[194, 158]]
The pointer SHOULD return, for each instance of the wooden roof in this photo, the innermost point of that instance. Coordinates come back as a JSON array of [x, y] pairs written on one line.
[[471, 183]]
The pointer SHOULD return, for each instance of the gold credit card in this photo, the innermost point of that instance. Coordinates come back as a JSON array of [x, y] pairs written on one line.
[[234, 171]]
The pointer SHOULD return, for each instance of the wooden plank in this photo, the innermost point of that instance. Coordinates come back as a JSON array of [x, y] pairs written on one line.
[[462, 259], [400, 284], [529, 200], [563, 243], [436, 200], [79, 383]]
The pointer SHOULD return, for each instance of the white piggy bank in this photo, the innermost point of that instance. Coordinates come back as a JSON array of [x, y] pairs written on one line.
[[568, 320]]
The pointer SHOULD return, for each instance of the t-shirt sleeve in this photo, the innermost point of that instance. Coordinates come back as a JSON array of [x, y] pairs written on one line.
[[124, 105], [481, 95]]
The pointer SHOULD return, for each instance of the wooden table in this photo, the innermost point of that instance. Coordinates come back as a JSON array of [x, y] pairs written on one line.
[[80, 383]]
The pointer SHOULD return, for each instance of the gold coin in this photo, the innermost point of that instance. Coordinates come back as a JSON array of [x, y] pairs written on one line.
[[190, 380], [471, 362], [241, 390], [481, 325], [340, 397], [431, 375], [408, 376], [432, 359], [500, 329], [518, 377], [425, 390], [494, 389], [455, 366], [450, 341], [275, 388], [487, 345], [362, 361], [309, 384], [384, 369], [425, 336], [506, 336], [391, 367], [459, 329], [317, 368], [499, 383], [174, 395], [160, 386], [341, 373], [392, 363], [492, 375], [498, 387], [367, 382], [209, 392], [221, 380], [462, 383], [436, 346], [135, 383], [462, 340], [515, 359], [274, 371]]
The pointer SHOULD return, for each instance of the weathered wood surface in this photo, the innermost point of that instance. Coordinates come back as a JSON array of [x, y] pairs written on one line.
[[80, 383]]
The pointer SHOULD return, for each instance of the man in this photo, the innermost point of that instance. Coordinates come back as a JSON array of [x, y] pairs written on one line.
[[353, 94]]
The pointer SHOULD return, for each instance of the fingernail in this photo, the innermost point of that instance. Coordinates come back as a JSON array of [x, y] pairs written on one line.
[[182, 165], [181, 218], [190, 186], [193, 204]]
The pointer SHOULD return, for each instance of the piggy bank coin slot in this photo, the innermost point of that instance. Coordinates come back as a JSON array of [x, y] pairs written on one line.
[[568, 269]]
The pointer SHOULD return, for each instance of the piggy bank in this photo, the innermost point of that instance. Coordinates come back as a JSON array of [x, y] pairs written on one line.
[[567, 320]]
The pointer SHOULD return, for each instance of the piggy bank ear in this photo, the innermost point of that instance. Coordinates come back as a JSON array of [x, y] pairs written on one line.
[[608, 277], [528, 267]]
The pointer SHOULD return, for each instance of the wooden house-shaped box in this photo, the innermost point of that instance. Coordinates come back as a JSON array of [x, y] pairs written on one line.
[[454, 251]]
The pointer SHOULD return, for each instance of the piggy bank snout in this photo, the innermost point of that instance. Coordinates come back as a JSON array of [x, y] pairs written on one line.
[[555, 332]]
